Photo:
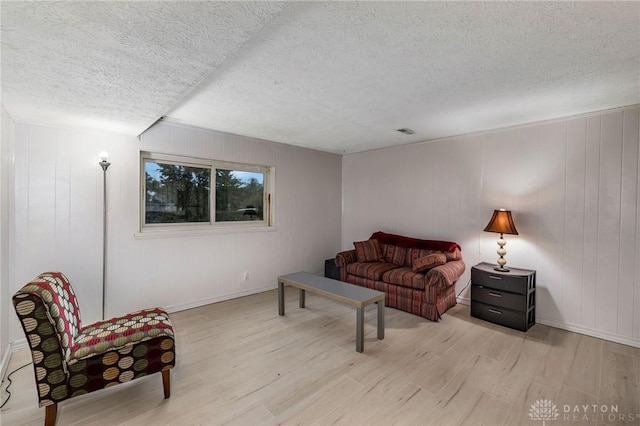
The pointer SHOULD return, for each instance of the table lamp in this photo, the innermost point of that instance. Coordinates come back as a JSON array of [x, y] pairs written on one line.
[[502, 223]]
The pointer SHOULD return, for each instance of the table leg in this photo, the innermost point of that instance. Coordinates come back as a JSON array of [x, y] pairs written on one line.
[[302, 294], [380, 304], [280, 298], [360, 330]]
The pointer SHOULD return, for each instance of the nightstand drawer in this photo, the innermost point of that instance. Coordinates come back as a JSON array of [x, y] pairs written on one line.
[[500, 281], [498, 298], [500, 316]]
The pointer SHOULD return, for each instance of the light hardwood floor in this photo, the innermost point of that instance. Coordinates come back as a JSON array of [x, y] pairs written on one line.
[[240, 363]]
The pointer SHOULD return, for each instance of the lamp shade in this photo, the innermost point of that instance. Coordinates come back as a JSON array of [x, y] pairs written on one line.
[[502, 223]]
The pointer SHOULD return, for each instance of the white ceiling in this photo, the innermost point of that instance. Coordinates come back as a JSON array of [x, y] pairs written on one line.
[[334, 76]]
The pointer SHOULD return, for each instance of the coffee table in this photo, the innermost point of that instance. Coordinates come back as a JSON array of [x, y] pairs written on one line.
[[350, 294]]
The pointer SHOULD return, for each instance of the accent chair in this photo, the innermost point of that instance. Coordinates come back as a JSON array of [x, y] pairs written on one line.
[[70, 359]]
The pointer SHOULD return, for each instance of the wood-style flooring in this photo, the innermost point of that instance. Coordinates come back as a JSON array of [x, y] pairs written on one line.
[[240, 363]]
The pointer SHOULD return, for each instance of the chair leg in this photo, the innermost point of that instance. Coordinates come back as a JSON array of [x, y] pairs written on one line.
[[51, 411], [166, 383]]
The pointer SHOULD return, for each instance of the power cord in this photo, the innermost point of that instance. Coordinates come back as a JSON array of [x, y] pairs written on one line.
[[9, 380], [465, 287]]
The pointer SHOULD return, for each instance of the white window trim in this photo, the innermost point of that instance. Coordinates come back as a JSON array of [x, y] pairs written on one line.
[[156, 230]]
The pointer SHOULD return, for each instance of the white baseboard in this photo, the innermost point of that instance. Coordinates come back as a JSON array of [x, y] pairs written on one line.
[[464, 301], [198, 303], [11, 348], [18, 345], [613, 337], [6, 357], [629, 341]]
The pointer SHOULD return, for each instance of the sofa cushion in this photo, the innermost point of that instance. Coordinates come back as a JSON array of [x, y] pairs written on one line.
[[394, 254], [370, 270], [368, 251], [405, 277], [429, 261], [415, 253]]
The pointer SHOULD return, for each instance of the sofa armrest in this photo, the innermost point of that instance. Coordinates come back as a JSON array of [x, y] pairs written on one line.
[[345, 257], [445, 275]]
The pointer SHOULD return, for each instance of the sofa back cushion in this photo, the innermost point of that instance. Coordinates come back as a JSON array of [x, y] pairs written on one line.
[[394, 254], [368, 251]]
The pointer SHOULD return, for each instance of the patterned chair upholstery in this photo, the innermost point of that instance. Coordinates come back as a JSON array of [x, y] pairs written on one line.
[[70, 359]]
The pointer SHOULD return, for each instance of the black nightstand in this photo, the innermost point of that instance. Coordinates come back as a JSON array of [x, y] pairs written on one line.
[[331, 270], [504, 298]]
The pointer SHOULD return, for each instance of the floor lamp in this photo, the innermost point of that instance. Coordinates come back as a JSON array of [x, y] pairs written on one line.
[[104, 163]]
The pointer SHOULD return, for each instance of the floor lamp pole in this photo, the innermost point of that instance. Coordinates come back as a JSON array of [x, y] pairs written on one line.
[[105, 165]]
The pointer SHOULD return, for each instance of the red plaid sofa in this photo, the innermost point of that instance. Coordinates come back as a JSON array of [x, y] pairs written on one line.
[[70, 359], [417, 276]]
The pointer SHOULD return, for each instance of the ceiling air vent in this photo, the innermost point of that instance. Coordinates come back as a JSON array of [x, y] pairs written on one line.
[[406, 131]]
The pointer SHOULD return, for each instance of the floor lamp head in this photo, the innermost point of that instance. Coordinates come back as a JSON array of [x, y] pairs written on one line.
[[104, 161]]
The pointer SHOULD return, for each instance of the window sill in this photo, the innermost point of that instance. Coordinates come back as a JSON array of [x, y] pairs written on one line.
[[201, 232]]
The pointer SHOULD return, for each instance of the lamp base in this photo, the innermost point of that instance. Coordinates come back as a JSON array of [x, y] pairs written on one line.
[[501, 269]]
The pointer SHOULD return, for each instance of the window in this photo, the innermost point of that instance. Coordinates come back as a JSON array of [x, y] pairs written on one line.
[[176, 193], [180, 192]]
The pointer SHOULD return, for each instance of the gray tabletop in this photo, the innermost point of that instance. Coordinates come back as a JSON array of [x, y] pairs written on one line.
[[331, 287]]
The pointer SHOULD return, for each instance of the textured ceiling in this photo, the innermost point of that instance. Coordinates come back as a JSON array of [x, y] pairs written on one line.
[[335, 76], [116, 65]]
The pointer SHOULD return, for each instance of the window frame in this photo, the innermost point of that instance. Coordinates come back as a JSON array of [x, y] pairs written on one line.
[[213, 166]]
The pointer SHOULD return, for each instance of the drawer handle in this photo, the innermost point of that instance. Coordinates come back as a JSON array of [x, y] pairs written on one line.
[[494, 294], [494, 277], [493, 311]]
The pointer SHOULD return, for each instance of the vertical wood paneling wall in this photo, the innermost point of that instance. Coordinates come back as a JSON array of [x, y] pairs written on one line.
[[58, 219], [573, 186], [6, 143]]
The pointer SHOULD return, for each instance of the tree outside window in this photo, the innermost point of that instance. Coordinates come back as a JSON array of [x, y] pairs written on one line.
[[239, 195], [177, 193], [182, 191]]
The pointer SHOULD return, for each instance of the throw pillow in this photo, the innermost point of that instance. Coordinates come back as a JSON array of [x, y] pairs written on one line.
[[429, 261], [368, 251]]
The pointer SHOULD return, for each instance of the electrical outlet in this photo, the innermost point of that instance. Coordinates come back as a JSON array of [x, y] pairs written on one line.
[[245, 276]]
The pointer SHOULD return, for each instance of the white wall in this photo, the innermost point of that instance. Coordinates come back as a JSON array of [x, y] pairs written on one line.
[[573, 186], [59, 219], [6, 180]]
